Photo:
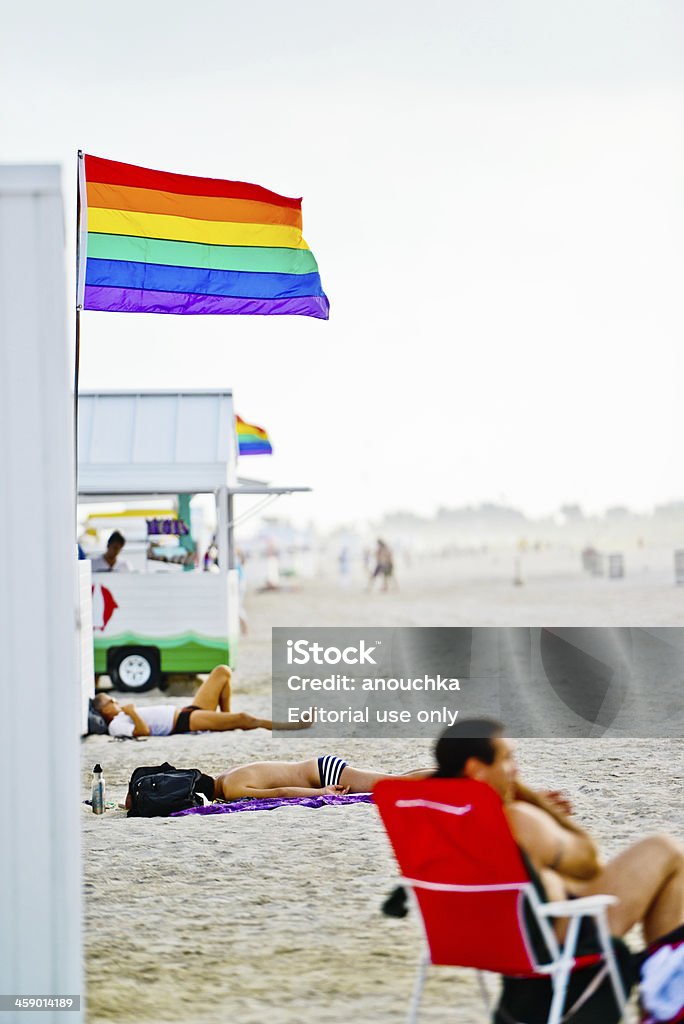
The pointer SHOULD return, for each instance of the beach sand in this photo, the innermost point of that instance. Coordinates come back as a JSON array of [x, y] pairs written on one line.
[[274, 916]]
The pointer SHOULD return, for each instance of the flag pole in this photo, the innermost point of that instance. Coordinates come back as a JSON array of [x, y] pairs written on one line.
[[76, 369], [77, 353]]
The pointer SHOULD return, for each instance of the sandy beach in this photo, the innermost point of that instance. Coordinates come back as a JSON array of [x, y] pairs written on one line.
[[275, 915]]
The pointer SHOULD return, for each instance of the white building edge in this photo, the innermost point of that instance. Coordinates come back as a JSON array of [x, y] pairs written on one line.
[[40, 859]]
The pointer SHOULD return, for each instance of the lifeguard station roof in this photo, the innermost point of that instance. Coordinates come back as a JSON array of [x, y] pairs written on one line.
[[156, 442]]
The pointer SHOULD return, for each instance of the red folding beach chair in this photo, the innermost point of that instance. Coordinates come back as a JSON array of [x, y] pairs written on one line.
[[456, 852]]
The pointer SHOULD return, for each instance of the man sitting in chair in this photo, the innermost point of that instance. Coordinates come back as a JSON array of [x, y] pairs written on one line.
[[647, 878], [210, 712]]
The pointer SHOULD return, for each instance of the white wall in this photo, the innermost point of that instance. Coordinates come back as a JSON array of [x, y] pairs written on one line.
[[40, 915]]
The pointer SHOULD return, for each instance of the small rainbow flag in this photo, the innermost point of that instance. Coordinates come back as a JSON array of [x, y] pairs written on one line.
[[252, 440], [156, 242]]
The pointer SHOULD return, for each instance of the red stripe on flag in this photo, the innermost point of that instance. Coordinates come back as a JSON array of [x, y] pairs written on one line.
[[111, 172]]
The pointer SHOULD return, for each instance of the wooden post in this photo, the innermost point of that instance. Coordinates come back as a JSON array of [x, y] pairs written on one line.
[[679, 567], [616, 566]]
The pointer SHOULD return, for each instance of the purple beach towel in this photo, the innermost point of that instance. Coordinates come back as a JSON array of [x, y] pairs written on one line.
[[270, 804]]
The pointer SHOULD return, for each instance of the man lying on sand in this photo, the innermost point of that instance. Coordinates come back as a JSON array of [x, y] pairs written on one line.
[[647, 878], [209, 712], [326, 774]]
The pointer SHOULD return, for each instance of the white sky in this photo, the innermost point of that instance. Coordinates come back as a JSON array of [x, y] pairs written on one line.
[[493, 192]]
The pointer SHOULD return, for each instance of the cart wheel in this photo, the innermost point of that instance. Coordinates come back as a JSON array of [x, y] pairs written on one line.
[[134, 669]]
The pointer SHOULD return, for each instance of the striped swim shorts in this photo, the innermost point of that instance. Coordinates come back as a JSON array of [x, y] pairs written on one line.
[[330, 769]]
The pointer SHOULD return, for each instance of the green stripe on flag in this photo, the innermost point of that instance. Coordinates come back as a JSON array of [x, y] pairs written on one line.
[[257, 259]]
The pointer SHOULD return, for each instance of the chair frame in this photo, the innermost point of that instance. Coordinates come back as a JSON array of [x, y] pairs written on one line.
[[562, 961]]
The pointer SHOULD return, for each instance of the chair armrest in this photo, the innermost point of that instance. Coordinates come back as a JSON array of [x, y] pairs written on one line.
[[579, 907]]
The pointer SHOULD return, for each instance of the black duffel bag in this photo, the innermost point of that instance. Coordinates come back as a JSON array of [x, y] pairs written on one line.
[[159, 791]]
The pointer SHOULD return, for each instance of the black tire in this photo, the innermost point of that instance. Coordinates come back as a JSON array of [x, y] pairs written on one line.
[[134, 669]]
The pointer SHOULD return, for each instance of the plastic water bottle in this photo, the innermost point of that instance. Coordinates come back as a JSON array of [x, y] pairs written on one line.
[[97, 797]]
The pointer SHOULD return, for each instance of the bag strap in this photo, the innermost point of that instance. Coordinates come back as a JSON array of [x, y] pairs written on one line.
[[587, 993]]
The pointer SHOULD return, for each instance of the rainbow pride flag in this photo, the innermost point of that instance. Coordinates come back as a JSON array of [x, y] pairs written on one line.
[[156, 242], [252, 440]]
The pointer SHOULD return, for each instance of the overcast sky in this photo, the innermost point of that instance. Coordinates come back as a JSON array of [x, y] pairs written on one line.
[[493, 192]]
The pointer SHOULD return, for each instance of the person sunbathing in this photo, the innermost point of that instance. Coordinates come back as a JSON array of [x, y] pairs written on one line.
[[210, 711], [319, 775], [647, 878]]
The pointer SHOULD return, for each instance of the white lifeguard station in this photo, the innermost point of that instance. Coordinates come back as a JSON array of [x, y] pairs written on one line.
[[162, 448]]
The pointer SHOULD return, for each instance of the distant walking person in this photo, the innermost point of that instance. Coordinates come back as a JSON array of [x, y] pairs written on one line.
[[384, 566], [344, 566]]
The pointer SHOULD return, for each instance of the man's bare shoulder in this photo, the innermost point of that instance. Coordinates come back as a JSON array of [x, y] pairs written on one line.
[[550, 844], [534, 829], [256, 773], [231, 772], [520, 813]]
